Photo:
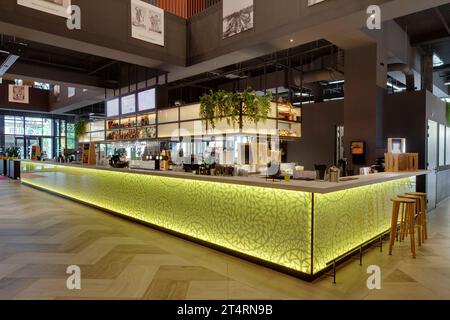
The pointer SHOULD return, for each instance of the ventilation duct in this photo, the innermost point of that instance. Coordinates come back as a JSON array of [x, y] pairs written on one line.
[[10, 60], [330, 74], [406, 70]]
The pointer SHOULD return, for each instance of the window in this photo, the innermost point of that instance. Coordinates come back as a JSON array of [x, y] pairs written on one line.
[[19, 126], [71, 144], [47, 127], [9, 141], [9, 125], [47, 147], [42, 85], [33, 126], [63, 128]]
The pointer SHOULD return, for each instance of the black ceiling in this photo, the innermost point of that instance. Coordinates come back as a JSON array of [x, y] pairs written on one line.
[[111, 72], [430, 30]]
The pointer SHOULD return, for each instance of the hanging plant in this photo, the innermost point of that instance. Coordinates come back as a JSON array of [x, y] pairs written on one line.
[[80, 128], [233, 106]]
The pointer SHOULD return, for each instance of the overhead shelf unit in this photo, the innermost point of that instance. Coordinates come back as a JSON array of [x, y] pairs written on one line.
[[136, 127], [135, 117], [184, 121]]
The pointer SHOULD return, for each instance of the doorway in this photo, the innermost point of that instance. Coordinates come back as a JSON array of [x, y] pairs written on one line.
[[30, 142], [20, 143], [432, 163]]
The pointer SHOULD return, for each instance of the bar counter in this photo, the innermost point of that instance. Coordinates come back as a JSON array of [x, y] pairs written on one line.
[[297, 227]]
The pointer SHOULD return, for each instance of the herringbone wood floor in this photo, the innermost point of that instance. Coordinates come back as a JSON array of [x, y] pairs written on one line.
[[41, 234]]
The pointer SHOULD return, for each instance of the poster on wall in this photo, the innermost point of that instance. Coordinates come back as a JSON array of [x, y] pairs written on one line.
[[237, 17], [19, 94], [313, 2], [56, 7], [147, 22]]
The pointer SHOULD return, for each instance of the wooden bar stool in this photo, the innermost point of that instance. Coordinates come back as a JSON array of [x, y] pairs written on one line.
[[423, 210], [409, 211], [417, 215]]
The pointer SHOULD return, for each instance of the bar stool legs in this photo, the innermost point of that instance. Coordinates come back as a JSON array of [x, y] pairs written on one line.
[[410, 214], [408, 221], [423, 211], [394, 222]]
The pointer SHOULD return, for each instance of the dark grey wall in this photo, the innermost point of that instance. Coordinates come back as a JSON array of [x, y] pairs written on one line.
[[105, 23], [318, 142], [39, 100], [363, 104], [404, 117], [272, 19]]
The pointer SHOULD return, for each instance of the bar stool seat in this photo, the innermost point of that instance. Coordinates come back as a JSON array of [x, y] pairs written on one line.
[[409, 211], [423, 210]]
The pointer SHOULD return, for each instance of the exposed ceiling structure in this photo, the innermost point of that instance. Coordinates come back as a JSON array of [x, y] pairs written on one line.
[[286, 73], [429, 30], [293, 55]]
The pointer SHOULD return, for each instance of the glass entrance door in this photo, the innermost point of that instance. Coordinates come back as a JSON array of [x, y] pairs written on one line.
[[20, 143], [29, 145]]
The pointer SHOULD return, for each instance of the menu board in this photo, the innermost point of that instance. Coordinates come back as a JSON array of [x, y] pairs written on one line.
[[112, 108], [129, 104], [147, 100]]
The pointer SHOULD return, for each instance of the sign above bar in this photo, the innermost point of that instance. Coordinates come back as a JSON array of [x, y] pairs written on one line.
[[128, 104], [112, 107], [55, 7], [147, 100]]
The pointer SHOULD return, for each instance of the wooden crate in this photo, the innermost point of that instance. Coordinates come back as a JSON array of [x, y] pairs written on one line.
[[398, 162]]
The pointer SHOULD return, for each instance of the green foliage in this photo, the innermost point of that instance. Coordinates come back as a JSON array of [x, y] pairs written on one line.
[[233, 106], [12, 152], [80, 128]]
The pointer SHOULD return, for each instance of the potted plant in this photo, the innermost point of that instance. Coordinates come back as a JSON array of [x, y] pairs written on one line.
[[12, 153]]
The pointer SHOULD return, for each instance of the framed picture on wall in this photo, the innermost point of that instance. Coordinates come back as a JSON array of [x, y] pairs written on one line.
[[237, 17], [147, 22], [55, 7], [19, 94]]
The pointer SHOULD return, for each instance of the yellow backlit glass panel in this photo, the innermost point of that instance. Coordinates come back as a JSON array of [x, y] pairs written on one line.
[[344, 220], [272, 225]]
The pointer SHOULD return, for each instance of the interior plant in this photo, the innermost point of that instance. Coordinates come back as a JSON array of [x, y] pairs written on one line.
[[233, 106], [80, 128], [12, 152]]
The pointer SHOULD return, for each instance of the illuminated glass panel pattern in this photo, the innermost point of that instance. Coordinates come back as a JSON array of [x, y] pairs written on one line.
[[346, 219], [272, 225]]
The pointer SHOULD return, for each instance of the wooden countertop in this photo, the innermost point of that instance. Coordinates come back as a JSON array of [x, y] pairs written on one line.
[[295, 185]]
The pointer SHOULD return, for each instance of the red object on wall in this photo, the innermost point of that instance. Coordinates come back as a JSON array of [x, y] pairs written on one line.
[[185, 8]]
